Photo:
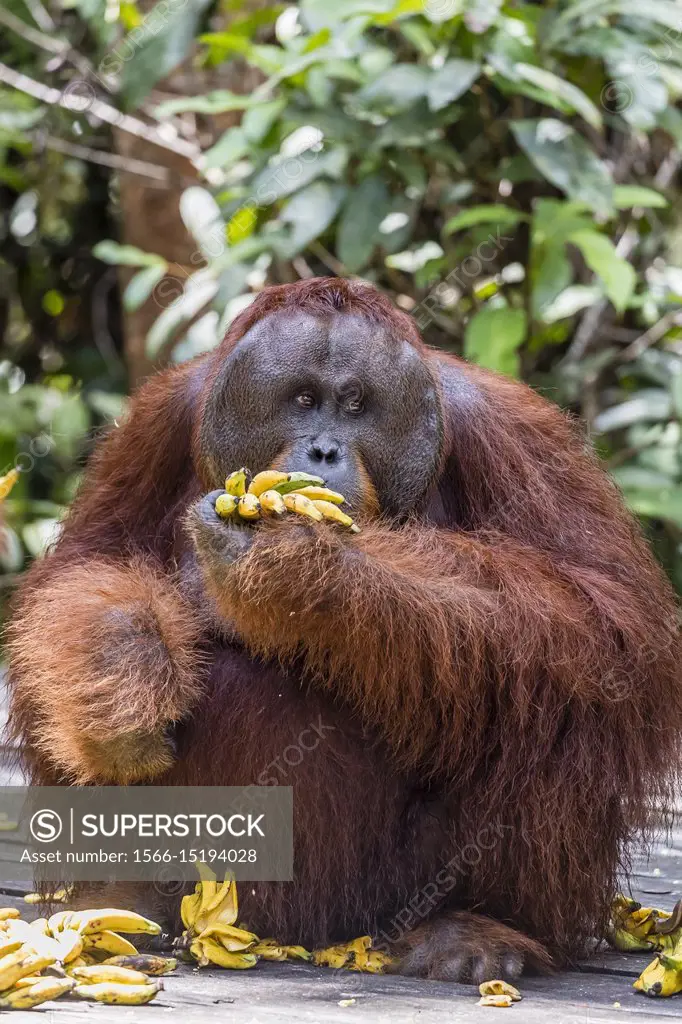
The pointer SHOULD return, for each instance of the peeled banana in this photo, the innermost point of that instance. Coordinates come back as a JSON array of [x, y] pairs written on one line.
[[273, 493]]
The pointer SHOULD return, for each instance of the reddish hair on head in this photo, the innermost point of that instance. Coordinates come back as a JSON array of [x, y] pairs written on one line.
[[322, 296]]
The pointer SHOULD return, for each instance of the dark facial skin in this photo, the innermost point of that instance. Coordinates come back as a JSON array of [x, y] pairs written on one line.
[[334, 396]]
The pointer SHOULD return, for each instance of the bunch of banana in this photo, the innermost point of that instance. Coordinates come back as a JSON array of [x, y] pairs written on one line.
[[69, 945], [357, 955], [663, 977], [212, 936], [7, 482], [272, 493], [634, 928]]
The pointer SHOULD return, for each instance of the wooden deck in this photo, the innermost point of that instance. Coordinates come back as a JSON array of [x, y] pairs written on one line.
[[275, 993]]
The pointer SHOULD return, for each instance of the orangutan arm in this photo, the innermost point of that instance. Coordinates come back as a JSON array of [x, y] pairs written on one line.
[[103, 661], [426, 631]]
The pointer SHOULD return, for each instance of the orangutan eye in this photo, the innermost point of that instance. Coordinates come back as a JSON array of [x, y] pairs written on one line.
[[305, 400]]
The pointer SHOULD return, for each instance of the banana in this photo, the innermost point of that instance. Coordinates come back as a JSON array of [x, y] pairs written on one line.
[[145, 963], [357, 955], [302, 506], [208, 951], [626, 942], [330, 511], [119, 995], [499, 988], [88, 922], [60, 896], [269, 949], [108, 942], [248, 507], [7, 482], [8, 945], [234, 940], [189, 908], [237, 482], [500, 1000], [9, 913], [225, 505], [295, 481], [20, 965], [26, 996], [103, 973], [659, 980], [59, 921], [273, 502], [316, 493], [265, 481]]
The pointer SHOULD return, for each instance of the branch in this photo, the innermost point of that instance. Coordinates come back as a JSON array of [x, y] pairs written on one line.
[[652, 335], [82, 102], [122, 163]]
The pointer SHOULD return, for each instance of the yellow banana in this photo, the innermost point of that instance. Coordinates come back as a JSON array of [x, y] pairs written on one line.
[[189, 908], [626, 942], [7, 482], [495, 1000], [108, 942], [237, 482], [87, 922], [208, 951], [102, 973], [357, 955], [9, 913], [659, 980], [27, 996], [273, 502], [225, 505], [269, 949], [316, 493], [146, 963], [248, 507], [234, 940], [59, 921], [20, 965], [119, 995], [302, 506], [330, 511], [207, 888], [295, 481], [499, 988], [264, 481], [60, 896], [9, 945]]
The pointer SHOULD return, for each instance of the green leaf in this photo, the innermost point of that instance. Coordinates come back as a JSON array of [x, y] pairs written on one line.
[[479, 15], [160, 51], [649, 405], [258, 121], [617, 275], [493, 338], [358, 230], [566, 91], [230, 147], [627, 196], [125, 255], [202, 217], [550, 273], [664, 504], [567, 161], [287, 175], [199, 290], [141, 286], [569, 302], [397, 88], [485, 214], [452, 80], [310, 212]]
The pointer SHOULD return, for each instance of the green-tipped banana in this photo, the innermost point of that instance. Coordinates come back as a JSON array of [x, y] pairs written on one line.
[[295, 481], [248, 507], [302, 506], [226, 505], [237, 482], [272, 502], [266, 480]]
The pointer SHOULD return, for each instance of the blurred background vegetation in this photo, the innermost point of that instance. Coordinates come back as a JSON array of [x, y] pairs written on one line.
[[507, 172]]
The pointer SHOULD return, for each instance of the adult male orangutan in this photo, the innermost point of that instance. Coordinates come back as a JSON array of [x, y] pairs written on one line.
[[491, 665]]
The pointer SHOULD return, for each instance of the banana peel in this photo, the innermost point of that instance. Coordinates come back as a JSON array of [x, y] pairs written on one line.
[[636, 929], [357, 955]]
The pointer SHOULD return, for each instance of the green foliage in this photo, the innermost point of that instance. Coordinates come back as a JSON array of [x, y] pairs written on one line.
[[505, 171]]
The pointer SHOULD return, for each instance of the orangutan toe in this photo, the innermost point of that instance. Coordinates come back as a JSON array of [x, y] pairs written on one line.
[[468, 948]]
